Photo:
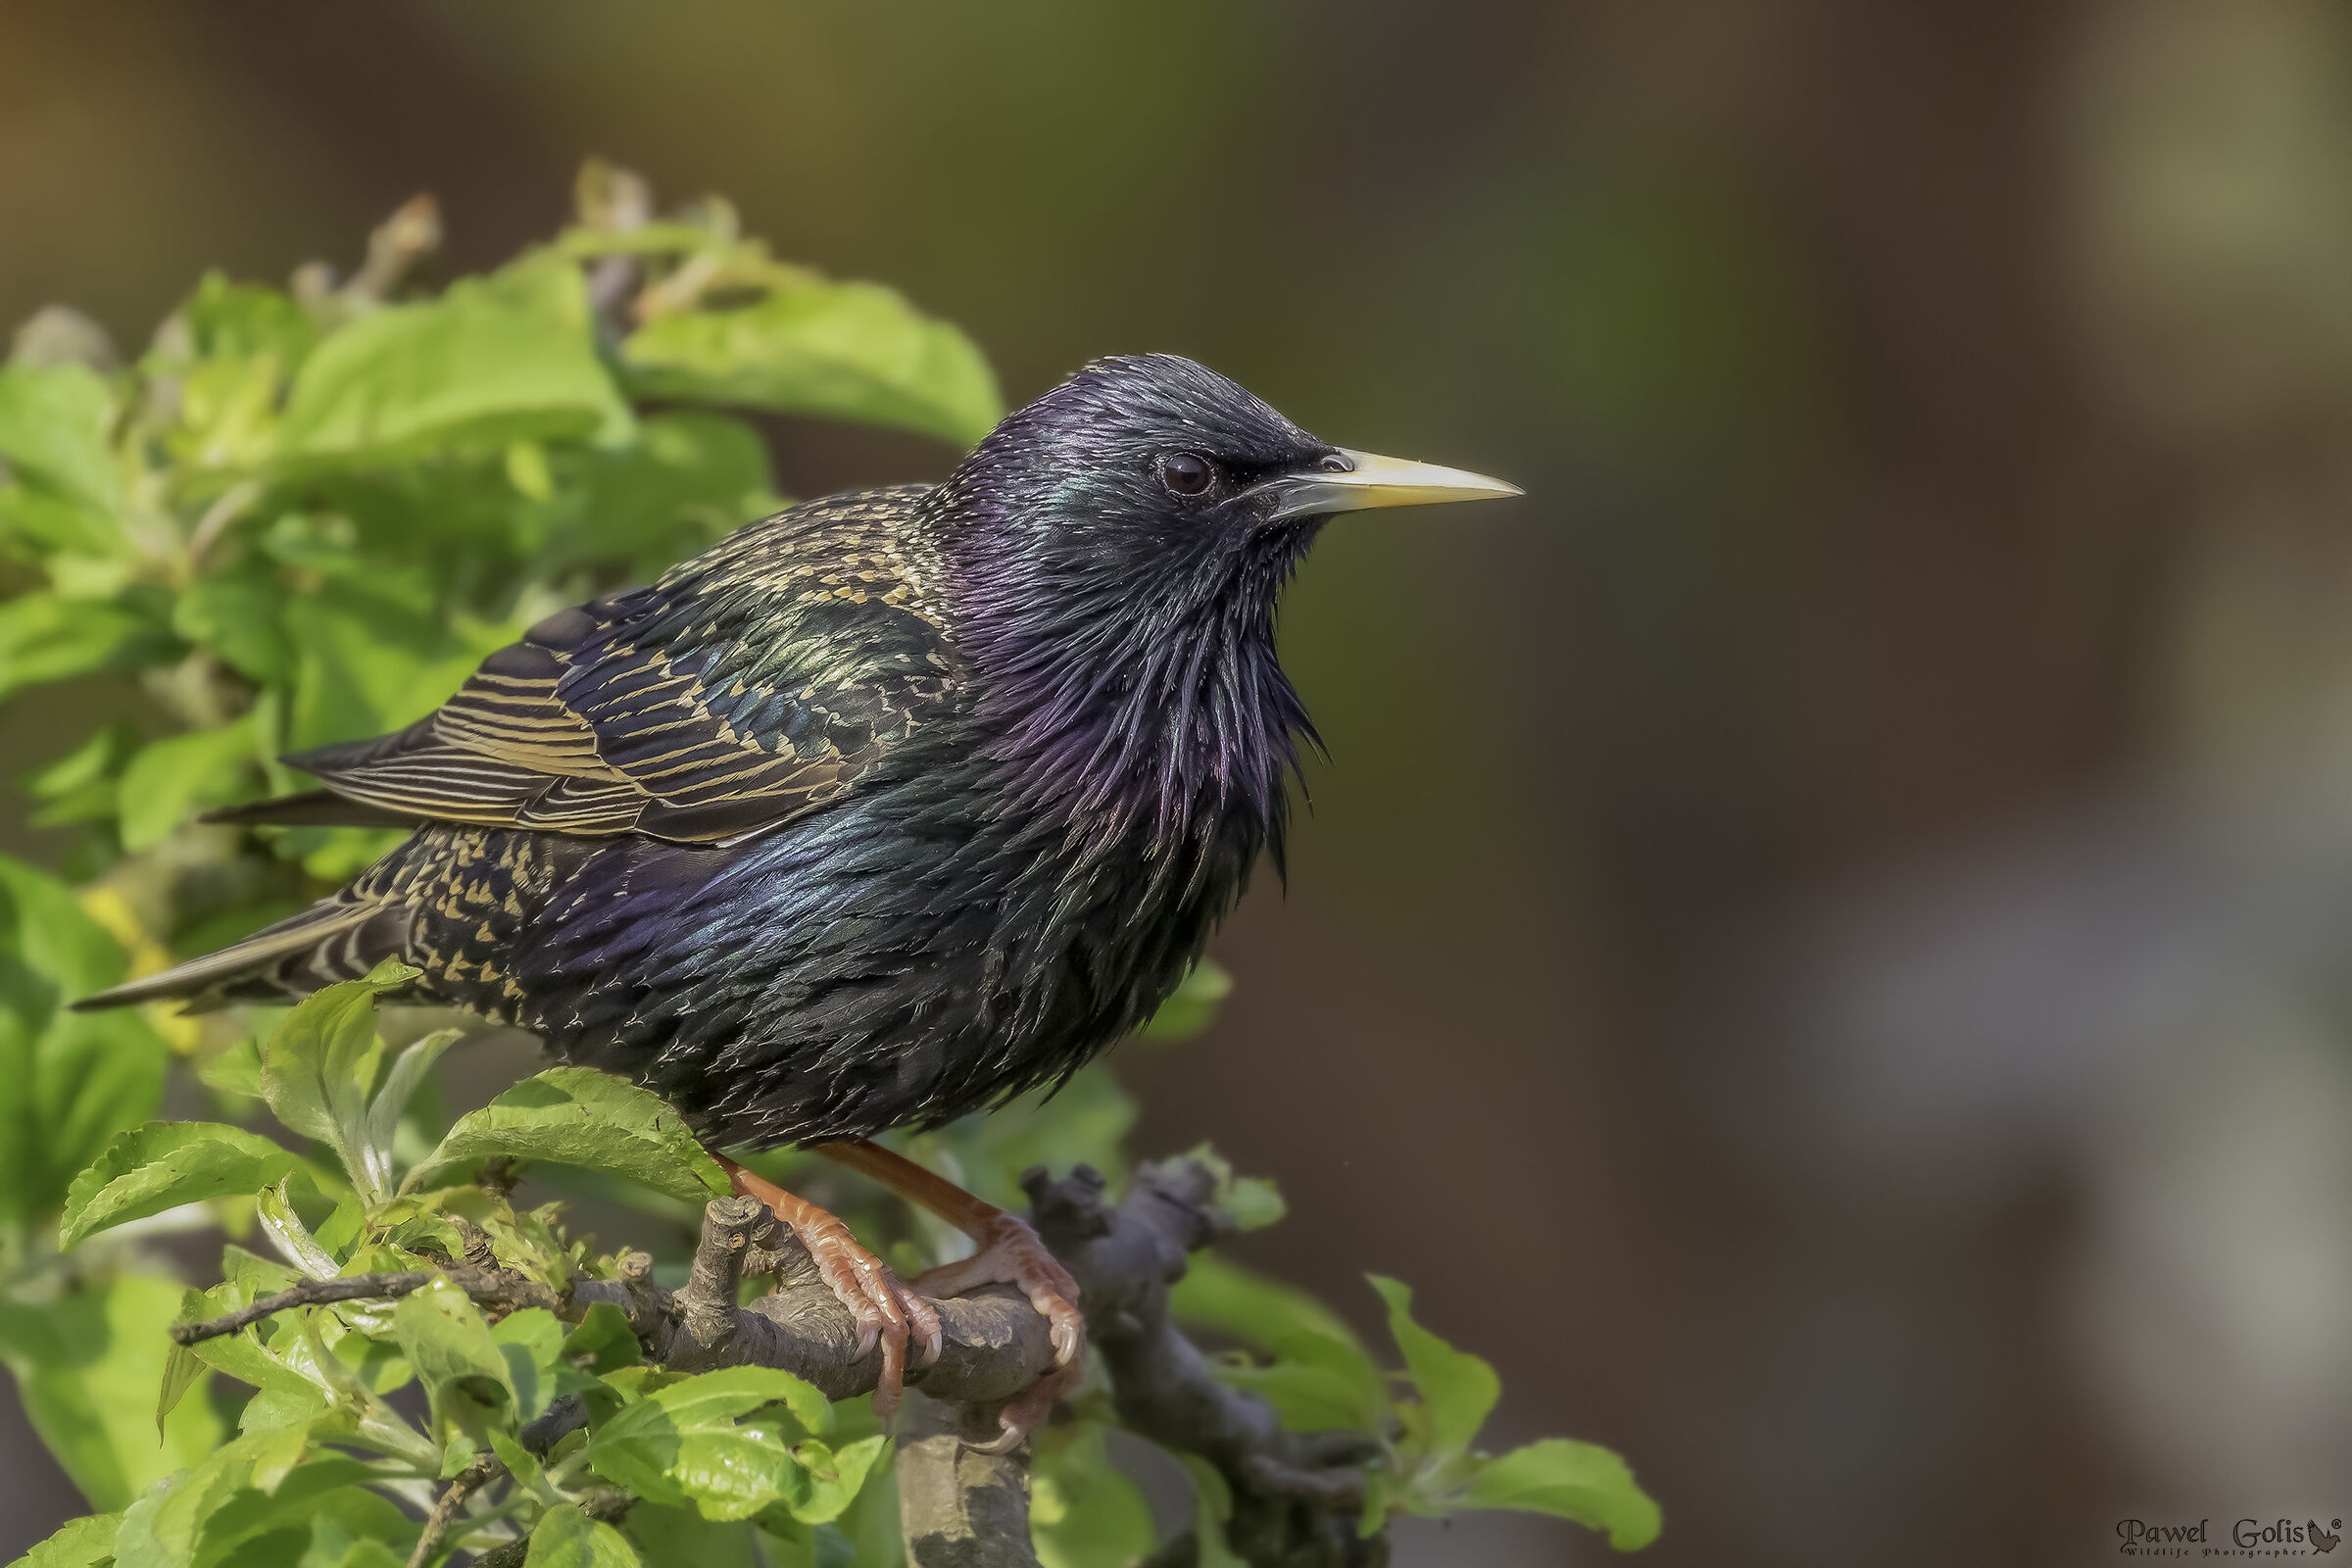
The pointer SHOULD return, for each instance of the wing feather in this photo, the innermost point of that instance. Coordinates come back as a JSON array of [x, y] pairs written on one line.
[[751, 684]]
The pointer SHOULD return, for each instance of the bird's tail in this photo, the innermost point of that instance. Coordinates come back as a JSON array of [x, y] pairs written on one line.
[[336, 939]]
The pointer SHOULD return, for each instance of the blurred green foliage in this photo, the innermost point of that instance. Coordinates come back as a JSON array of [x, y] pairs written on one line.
[[303, 516]]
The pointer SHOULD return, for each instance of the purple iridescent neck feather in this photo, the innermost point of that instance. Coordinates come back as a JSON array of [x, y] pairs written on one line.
[[1126, 683]]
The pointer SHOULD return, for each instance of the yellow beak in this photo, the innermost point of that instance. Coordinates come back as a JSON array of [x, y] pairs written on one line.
[[1368, 480]]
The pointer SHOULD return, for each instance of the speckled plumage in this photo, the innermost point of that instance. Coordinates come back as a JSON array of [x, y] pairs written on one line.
[[878, 812]]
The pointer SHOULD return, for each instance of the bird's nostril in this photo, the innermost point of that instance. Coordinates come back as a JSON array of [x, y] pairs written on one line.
[[1336, 463]]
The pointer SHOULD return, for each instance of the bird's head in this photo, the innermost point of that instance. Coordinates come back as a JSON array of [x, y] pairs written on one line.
[[1114, 553]]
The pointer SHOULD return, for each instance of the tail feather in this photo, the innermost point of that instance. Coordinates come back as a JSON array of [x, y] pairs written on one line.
[[336, 939]]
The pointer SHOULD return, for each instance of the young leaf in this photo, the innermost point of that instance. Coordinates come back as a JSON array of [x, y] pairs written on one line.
[[407, 1071], [680, 1537], [81, 1544], [1568, 1480], [236, 616], [1315, 1383], [68, 1081], [47, 636], [580, 1117], [54, 422], [1082, 1509], [494, 359], [234, 1071], [162, 1164], [566, 1538], [1224, 1298], [87, 1366], [843, 351], [318, 1066], [604, 1339], [831, 1477], [1457, 1389], [1251, 1202], [1212, 1506], [169, 780], [293, 1238], [451, 1347], [531, 1342], [687, 1443]]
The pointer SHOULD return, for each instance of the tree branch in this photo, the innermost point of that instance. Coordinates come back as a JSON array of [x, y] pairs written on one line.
[[1295, 1494]]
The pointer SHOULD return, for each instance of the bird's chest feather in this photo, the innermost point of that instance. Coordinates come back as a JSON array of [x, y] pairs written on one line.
[[909, 957]]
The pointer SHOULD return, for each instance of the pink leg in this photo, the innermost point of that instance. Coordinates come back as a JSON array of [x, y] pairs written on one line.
[[1010, 1253], [885, 1310]]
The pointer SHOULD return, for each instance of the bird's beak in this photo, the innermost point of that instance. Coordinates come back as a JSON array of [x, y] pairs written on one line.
[[1369, 481]]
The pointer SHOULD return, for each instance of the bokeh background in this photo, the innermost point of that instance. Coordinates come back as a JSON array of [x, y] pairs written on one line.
[[1821, 948]]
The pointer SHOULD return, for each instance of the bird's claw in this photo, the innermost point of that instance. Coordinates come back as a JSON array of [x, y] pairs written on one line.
[[1012, 1253], [887, 1312]]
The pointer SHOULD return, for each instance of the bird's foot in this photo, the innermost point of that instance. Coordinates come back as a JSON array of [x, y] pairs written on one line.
[[1012, 1253], [887, 1312]]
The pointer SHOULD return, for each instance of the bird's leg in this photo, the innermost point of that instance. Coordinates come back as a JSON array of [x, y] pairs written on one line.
[[1010, 1253], [885, 1310]]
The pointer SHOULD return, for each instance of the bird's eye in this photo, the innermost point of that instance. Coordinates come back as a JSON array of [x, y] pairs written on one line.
[[1187, 473]]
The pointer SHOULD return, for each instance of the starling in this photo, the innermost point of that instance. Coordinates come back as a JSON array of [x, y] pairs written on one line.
[[878, 812]]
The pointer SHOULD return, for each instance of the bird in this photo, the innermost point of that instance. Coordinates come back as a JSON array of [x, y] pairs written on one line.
[[2322, 1540], [879, 811]]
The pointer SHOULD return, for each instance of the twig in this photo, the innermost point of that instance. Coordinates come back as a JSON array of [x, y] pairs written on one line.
[[475, 1475], [309, 1293]]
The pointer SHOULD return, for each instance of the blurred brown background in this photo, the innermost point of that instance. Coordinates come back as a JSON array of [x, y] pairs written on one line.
[[1819, 948]]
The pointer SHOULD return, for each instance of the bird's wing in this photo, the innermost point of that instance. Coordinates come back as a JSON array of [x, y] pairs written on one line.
[[751, 684]]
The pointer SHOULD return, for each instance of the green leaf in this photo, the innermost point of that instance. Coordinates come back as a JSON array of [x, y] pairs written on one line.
[[1457, 1389], [68, 1081], [688, 479], [1192, 1006], [1579, 1481], [1315, 1383], [1212, 1506], [182, 1368], [830, 1478], [566, 1538], [408, 1068], [249, 1505], [499, 358], [162, 1164], [580, 1117], [1221, 1296], [1082, 1509], [236, 1070], [81, 1543], [170, 780], [34, 524], [334, 1547], [362, 657], [87, 1366], [604, 1339], [680, 1537], [235, 320], [1251, 1202], [293, 1238], [531, 1342], [321, 1063], [236, 617], [52, 426], [844, 351], [686, 1443], [456, 1356], [47, 636]]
